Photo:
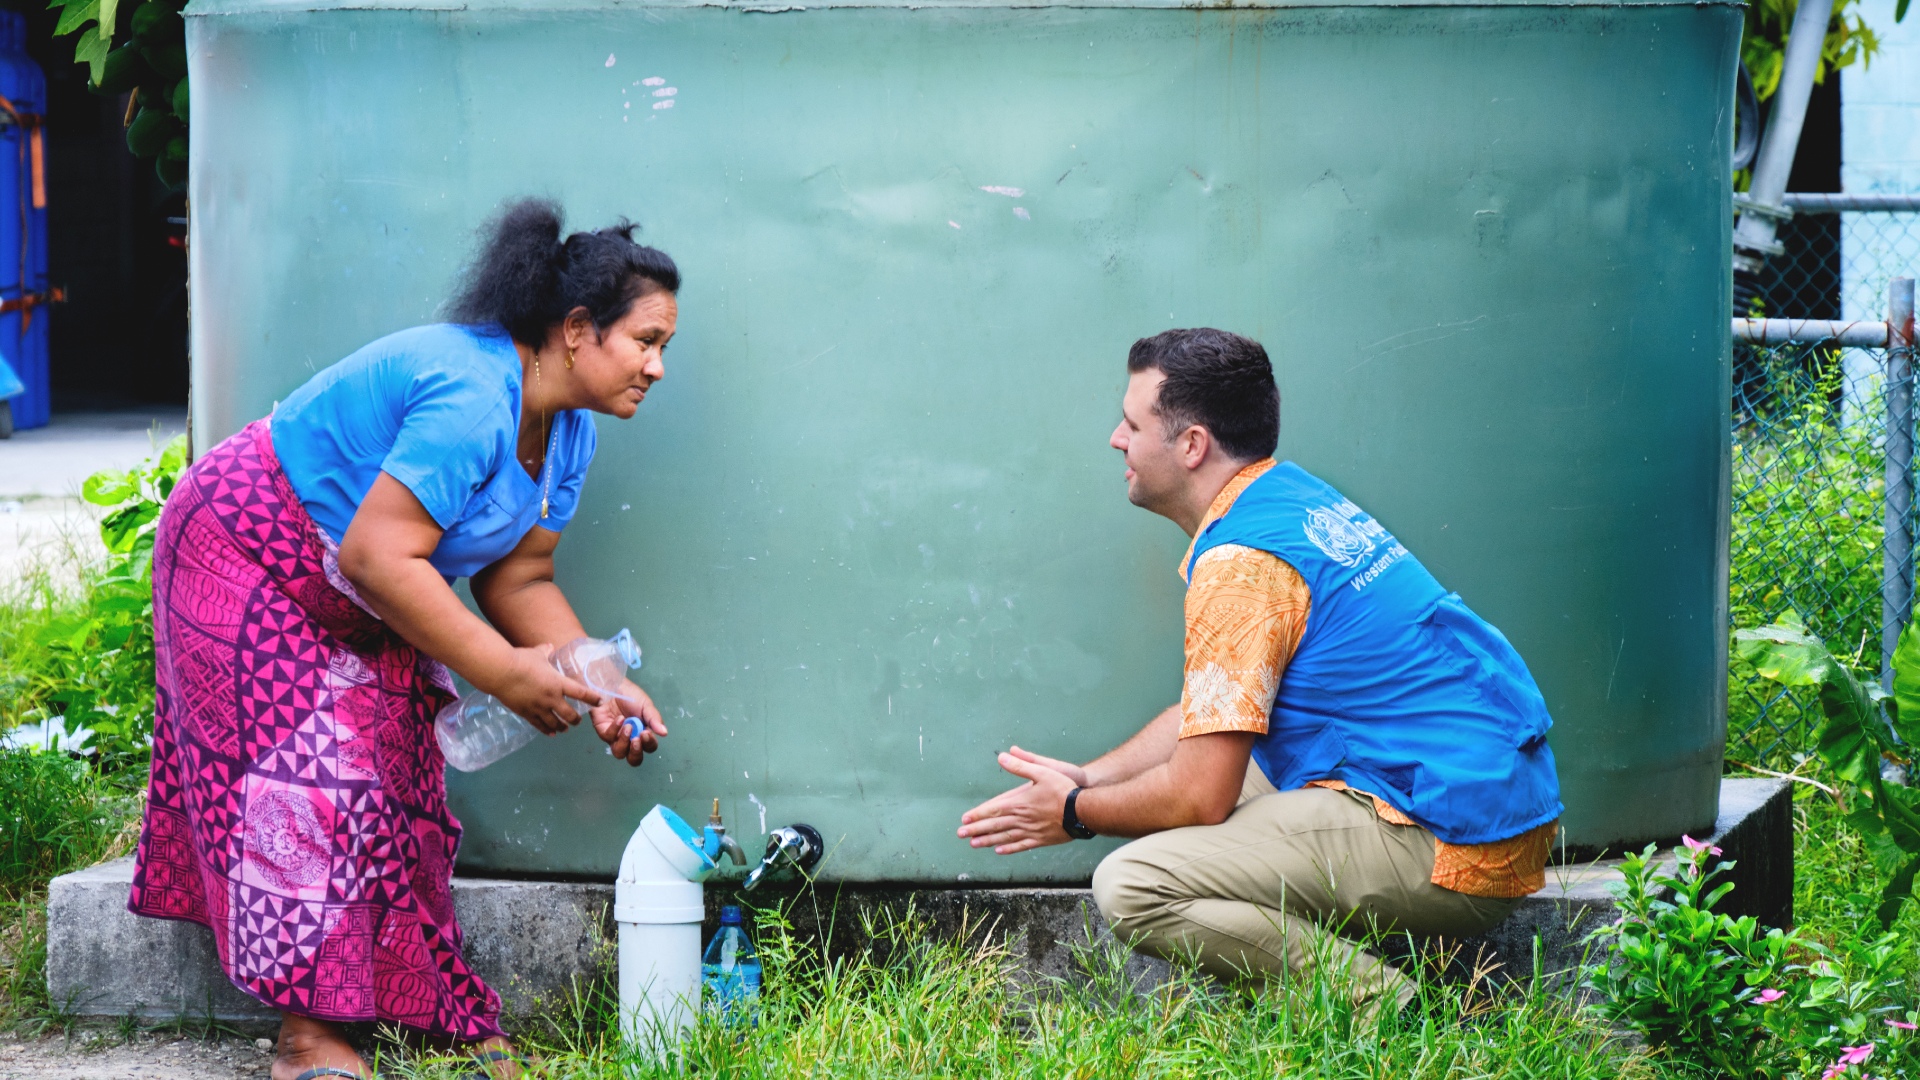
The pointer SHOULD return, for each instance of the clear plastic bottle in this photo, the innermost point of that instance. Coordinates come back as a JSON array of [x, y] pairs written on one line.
[[477, 730], [730, 970]]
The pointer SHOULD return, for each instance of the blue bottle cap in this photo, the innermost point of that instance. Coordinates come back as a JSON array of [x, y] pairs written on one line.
[[729, 915]]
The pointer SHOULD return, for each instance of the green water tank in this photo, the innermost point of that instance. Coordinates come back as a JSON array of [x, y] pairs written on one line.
[[869, 530]]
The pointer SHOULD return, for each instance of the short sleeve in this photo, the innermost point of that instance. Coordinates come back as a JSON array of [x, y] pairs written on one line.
[[457, 429], [1246, 610], [570, 471]]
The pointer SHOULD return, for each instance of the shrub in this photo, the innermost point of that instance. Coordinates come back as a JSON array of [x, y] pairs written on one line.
[[55, 816], [1806, 532], [1724, 997], [87, 661], [1679, 972]]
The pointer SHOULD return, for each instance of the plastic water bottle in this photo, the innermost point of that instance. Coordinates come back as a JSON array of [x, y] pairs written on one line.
[[730, 970], [477, 730]]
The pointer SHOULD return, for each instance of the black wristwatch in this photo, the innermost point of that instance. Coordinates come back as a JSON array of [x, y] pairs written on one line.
[[1070, 821]]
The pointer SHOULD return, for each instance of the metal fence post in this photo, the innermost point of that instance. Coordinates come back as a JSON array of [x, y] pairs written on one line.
[[1896, 577]]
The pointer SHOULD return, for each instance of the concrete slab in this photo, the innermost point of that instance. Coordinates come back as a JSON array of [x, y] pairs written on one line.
[[535, 941], [43, 522], [53, 460], [531, 941]]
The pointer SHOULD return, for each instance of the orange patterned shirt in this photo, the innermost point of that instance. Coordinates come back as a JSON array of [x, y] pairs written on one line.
[[1246, 610]]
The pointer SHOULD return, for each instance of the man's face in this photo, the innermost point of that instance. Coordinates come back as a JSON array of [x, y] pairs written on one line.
[[1155, 474]]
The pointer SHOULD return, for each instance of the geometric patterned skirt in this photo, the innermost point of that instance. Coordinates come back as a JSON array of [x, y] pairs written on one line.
[[297, 804]]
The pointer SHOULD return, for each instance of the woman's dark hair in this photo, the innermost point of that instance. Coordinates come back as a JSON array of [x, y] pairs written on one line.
[[526, 278], [1220, 381]]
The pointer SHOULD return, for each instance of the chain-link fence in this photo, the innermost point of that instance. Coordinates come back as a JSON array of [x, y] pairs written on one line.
[[1838, 254], [1809, 521], [1810, 452]]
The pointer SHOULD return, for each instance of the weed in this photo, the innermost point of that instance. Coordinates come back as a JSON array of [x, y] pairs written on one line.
[[85, 657]]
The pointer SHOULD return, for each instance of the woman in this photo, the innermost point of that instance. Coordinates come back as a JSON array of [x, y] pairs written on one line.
[[304, 622]]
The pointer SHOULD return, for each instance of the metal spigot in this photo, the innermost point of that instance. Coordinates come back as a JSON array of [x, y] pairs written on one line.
[[719, 843], [795, 845]]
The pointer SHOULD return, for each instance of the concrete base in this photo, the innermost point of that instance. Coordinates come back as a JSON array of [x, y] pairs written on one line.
[[530, 940], [535, 941]]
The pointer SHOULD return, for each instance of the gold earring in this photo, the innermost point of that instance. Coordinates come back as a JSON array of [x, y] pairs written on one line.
[[536, 366], [569, 359]]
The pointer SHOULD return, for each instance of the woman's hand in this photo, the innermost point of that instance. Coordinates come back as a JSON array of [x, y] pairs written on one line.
[[537, 693], [630, 724]]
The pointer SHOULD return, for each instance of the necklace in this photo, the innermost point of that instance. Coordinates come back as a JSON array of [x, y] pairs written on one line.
[[546, 486]]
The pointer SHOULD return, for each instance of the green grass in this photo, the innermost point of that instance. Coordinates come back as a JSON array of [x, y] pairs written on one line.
[[948, 1008], [1806, 537], [1836, 888], [57, 813]]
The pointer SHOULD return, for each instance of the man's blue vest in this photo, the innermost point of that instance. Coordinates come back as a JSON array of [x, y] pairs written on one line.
[[1396, 687]]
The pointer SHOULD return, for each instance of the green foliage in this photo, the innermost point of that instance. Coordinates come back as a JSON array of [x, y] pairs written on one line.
[[150, 61], [56, 814], [1806, 536], [1720, 996], [1763, 45], [1681, 973], [916, 1004], [1864, 726], [89, 661]]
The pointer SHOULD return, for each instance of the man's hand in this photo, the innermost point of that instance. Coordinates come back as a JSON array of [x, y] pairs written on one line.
[[629, 724], [1028, 816], [1072, 772]]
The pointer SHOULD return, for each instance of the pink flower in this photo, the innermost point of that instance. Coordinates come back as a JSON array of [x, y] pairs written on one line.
[[1849, 1057], [1698, 845], [1769, 996], [1903, 1026]]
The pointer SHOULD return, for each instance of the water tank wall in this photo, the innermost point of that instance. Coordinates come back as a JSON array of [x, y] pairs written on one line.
[[869, 530]]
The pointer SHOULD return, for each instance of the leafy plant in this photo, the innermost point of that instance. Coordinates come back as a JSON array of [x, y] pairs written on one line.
[[55, 815], [90, 664], [1865, 725], [1680, 972], [1806, 537], [1763, 46], [150, 62]]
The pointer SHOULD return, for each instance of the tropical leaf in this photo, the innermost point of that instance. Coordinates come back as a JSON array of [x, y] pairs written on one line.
[[1906, 684], [1857, 736], [1899, 887], [76, 15], [110, 487], [1786, 652], [92, 50]]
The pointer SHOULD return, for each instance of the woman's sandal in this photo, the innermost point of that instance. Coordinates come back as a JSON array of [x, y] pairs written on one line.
[[488, 1057]]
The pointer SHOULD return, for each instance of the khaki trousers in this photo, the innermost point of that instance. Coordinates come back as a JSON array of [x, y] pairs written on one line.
[[1280, 887]]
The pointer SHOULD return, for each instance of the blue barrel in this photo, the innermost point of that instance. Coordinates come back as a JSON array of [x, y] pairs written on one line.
[[24, 290]]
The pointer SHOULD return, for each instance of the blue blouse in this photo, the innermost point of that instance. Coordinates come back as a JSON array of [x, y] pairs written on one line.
[[438, 409]]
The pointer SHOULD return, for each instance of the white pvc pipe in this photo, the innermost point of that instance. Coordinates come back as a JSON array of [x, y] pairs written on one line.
[[1859, 335], [658, 906], [1774, 164]]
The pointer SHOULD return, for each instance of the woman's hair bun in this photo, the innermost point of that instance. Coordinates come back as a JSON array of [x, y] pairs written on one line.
[[525, 278]]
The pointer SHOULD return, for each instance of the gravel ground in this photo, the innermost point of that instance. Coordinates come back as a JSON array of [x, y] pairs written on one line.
[[97, 1056]]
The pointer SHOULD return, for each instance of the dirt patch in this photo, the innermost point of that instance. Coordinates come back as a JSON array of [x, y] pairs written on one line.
[[100, 1056]]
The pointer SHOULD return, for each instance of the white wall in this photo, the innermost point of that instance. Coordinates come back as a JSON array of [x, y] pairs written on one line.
[[1880, 152]]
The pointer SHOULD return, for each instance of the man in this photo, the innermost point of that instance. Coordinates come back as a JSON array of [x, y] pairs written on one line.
[[1400, 776]]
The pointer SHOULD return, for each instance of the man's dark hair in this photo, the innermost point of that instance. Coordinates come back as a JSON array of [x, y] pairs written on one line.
[[1220, 381]]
